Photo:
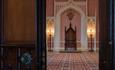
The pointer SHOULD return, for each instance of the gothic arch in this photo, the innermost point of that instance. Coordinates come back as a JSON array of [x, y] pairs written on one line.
[[57, 26], [72, 7]]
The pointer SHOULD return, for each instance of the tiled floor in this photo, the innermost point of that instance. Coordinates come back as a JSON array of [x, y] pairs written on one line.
[[73, 61]]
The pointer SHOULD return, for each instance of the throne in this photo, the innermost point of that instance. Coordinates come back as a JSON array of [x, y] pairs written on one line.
[[70, 39]]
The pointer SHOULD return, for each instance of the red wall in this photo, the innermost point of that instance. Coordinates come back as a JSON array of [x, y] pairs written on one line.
[[49, 8], [91, 7]]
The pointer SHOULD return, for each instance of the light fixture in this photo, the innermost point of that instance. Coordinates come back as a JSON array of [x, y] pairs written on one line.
[[91, 31], [50, 34]]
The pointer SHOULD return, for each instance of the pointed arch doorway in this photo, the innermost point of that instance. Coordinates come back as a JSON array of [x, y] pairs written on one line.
[[57, 35]]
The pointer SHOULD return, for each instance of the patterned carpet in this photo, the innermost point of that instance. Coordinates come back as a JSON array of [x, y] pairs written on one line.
[[73, 61]]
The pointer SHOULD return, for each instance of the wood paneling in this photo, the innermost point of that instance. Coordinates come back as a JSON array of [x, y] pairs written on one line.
[[11, 58], [19, 21]]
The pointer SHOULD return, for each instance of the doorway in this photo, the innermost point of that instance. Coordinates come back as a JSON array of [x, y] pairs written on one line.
[[75, 35], [104, 59]]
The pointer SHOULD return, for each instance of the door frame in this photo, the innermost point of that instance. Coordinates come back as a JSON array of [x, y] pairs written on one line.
[[106, 48], [105, 35], [105, 52]]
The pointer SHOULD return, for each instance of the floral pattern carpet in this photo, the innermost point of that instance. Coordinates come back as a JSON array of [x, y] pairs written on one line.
[[73, 61]]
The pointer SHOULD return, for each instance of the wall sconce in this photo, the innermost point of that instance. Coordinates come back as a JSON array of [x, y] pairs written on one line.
[[50, 32], [91, 31], [50, 35]]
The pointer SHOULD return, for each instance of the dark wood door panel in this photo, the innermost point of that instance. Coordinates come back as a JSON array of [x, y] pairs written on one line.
[[11, 57]]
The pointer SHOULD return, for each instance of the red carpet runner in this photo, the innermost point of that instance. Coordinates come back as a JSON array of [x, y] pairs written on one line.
[[73, 61]]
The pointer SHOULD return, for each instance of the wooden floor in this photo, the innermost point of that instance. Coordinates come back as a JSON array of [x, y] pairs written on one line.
[[73, 61]]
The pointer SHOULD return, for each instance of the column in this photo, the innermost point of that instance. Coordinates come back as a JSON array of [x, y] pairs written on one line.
[[57, 35], [83, 34]]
